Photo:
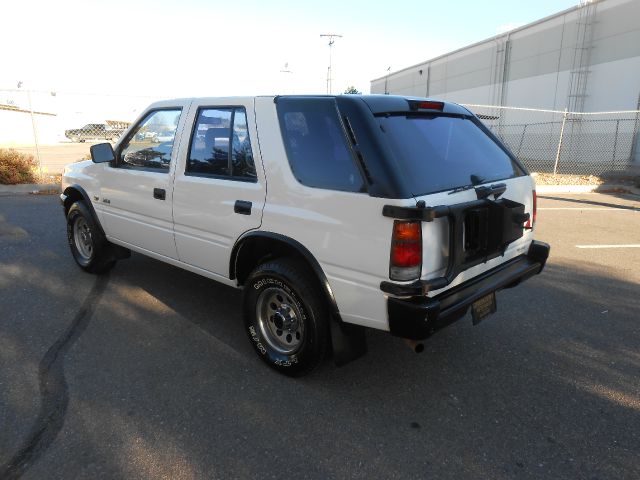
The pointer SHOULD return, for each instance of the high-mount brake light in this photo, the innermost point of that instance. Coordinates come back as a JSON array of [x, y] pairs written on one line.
[[426, 105], [406, 251]]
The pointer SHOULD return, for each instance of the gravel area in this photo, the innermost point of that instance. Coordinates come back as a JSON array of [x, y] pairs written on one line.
[[564, 179]]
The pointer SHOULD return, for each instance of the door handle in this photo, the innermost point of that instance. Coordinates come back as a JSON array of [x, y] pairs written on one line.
[[159, 193], [242, 207]]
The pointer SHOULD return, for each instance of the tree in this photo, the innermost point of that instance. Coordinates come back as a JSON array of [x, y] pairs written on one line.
[[352, 91]]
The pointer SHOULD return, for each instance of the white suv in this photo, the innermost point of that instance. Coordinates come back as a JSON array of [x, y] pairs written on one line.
[[333, 213]]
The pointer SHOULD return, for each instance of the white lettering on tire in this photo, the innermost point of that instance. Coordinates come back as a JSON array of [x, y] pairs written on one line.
[[255, 338]]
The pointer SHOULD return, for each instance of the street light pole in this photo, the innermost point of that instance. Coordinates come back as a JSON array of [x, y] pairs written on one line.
[[286, 70], [331, 37], [33, 126], [386, 82]]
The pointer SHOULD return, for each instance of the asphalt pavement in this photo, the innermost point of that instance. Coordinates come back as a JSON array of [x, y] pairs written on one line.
[[147, 372]]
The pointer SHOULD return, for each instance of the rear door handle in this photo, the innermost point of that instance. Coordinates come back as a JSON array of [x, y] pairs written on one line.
[[242, 207], [159, 193]]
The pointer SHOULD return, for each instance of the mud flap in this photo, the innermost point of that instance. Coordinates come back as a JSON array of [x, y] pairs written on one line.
[[348, 342]]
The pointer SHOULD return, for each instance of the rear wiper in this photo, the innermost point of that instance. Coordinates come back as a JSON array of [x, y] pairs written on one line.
[[461, 189]]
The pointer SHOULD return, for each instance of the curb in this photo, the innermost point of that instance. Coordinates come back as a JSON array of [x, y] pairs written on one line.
[[27, 188], [605, 188]]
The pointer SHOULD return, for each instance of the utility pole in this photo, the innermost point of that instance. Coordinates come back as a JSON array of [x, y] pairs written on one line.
[[331, 37]]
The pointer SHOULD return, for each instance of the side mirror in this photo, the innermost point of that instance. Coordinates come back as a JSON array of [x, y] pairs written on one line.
[[102, 153]]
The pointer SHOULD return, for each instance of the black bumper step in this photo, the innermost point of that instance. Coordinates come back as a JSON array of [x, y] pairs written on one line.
[[418, 317]]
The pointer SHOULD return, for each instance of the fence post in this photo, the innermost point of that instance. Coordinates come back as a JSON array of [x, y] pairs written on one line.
[[524, 131], [634, 138], [615, 145], [564, 121]]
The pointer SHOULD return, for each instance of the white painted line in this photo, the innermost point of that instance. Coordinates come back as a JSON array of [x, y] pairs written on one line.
[[604, 209], [632, 245]]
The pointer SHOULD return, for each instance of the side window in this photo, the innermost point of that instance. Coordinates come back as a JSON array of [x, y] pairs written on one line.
[[151, 143], [220, 145], [242, 164], [316, 145]]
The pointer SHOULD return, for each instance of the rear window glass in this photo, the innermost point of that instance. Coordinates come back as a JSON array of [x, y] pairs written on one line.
[[316, 144], [438, 153]]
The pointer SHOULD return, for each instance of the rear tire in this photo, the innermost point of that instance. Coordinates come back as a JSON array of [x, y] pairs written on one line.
[[286, 317], [89, 247]]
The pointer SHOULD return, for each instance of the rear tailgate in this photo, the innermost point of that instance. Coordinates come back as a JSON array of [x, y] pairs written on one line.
[[478, 253], [473, 197]]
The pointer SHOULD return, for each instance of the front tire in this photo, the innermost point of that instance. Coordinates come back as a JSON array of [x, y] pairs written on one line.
[[286, 318], [89, 247]]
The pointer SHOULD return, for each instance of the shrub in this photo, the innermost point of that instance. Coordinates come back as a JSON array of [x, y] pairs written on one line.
[[16, 167]]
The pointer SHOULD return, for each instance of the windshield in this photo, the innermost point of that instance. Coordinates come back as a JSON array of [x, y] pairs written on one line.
[[438, 153]]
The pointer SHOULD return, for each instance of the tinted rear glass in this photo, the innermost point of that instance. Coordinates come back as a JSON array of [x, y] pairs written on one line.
[[438, 153]]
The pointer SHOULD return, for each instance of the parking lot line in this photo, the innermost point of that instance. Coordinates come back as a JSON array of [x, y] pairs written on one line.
[[631, 245], [599, 209]]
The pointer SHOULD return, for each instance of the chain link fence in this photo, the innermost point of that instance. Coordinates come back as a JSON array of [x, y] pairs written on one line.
[[58, 127], [551, 141]]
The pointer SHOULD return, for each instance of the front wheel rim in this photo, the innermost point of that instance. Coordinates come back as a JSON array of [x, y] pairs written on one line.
[[83, 239], [280, 320]]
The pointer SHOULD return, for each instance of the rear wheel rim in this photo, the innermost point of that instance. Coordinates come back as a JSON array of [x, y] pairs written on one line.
[[83, 239], [280, 320]]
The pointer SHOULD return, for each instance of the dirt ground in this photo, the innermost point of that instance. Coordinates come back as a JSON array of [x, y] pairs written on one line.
[[55, 157], [564, 179]]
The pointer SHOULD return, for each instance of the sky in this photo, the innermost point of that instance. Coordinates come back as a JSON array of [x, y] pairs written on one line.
[[177, 48]]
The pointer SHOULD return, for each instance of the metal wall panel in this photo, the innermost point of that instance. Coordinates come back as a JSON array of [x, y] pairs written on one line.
[[540, 58]]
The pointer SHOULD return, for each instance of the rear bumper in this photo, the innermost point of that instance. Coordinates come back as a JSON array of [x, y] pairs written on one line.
[[418, 317]]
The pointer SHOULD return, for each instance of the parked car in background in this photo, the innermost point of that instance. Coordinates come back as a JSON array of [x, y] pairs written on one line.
[[94, 131]]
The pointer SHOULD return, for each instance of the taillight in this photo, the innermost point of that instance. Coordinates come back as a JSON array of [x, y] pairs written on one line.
[[406, 251], [532, 221]]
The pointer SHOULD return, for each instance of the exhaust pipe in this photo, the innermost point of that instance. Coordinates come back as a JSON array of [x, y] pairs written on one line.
[[417, 347]]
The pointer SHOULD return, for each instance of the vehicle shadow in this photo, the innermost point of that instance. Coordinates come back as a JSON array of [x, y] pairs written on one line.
[[548, 387]]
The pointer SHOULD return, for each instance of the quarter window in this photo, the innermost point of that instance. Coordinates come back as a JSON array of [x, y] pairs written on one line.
[[151, 143], [316, 145], [220, 145]]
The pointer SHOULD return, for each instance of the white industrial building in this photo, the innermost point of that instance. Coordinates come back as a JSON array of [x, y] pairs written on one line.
[[584, 59]]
